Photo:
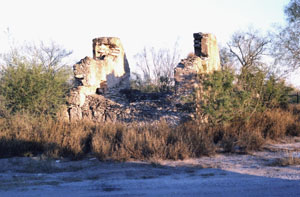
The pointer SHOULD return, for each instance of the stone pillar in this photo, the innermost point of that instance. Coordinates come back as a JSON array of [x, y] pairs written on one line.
[[206, 46], [107, 71], [109, 51], [205, 61]]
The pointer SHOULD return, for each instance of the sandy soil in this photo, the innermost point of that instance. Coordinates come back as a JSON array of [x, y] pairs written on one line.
[[255, 174]]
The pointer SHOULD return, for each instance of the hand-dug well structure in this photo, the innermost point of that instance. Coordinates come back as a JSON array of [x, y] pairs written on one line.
[[205, 60], [105, 74], [102, 88]]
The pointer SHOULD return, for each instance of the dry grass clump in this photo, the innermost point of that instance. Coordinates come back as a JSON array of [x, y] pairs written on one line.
[[294, 129], [277, 123], [286, 161], [241, 137], [122, 141], [295, 109], [23, 134], [248, 135], [150, 141], [19, 135]]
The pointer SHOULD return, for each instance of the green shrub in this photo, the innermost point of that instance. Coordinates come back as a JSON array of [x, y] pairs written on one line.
[[218, 101], [28, 83], [276, 93], [32, 88], [3, 110], [227, 96]]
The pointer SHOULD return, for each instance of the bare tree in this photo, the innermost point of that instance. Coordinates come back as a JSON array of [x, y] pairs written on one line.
[[248, 49], [51, 55], [292, 11], [286, 47], [286, 43], [226, 58], [157, 66]]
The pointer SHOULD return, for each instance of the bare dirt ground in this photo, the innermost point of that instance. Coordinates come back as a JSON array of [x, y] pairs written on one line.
[[274, 171]]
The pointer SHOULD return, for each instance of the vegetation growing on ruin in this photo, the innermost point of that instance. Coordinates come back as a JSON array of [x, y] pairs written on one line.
[[238, 108]]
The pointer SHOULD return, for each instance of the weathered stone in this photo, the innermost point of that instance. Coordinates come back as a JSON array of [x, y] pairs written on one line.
[[110, 53], [75, 113], [100, 109], [102, 92], [107, 72], [205, 61], [208, 51]]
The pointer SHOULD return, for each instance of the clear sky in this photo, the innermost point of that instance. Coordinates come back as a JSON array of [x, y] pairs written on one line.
[[158, 23]]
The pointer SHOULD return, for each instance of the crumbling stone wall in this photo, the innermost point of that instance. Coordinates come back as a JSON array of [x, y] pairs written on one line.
[[106, 73], [102, 88], [206, 59], [115, 68]]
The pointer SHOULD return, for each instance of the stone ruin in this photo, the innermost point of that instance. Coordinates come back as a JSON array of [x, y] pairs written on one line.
[[102, 87], [205, 60], [105, 74]]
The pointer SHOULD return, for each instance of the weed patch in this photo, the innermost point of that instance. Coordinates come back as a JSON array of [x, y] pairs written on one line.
[[26, 135], [286, 161]]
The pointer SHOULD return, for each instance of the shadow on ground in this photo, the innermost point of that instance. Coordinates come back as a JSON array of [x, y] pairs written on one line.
[[90, 177]]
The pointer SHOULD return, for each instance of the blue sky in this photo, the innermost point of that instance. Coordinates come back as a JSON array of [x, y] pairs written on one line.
[[157, 23]]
